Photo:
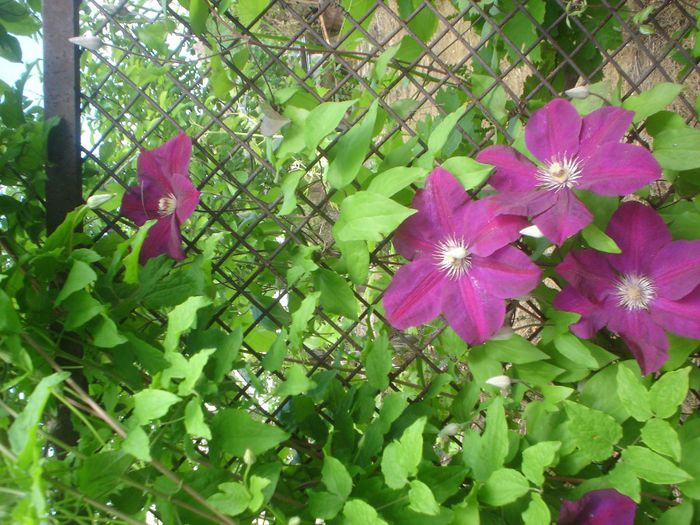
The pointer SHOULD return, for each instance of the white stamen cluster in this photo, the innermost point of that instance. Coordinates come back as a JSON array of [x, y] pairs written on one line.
[[453, 257], [167, 205], [561, 172], [634, 292]]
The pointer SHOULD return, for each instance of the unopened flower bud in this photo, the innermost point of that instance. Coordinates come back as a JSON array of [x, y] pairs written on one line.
[[499, 381], [295, 520], [532, 231], [97, 200], [449, 430], [579, 92], [87, 41], [248, 457]]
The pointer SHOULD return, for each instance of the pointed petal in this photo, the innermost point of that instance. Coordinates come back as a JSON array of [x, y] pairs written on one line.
[[414, 296], [524, 204], [681, 317], [506, 273], [607, 124], [589, 272], [411, 238], [553, 131], [485, 230], [514, 171], [571, 300], [140, 203], [645, 339], [472, 312], [152, 172], [675, 269], [598, 507], [640, 233], [186, 194], [163, 237], [618, 169], [442, 197], [566, 218], [177, 153]]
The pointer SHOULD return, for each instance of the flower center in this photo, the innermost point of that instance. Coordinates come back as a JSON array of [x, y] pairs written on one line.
[[561, 172], [167, 205], [634, 292], [453, 257]]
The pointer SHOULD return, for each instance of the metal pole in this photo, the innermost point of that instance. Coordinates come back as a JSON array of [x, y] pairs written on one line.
[[62, 99]]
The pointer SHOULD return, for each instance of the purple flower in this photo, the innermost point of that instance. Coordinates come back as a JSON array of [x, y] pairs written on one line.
[[165, 193], [461, 264], [573, 153], [598, 507], [651, 286]]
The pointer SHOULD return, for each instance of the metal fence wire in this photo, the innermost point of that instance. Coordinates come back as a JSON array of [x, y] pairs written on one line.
[[154, 76]]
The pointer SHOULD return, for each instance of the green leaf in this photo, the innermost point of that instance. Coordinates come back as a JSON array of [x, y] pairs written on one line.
[[301, 317], [653, 100], [221, 83], [538, 457], [233, 499], [81, 307], [422, 500], [351, 150], [296, 383], [248, 10], [653, 468], [668, 393], [377, 361], [106, 334], [661, 437], [136, 444], [153, 404], [275, 355], [194, 420], [442, 131], [322, 120], [79, 277], [9, 47], [633, 395], [367, 216], [195, 366], [401, 457], [537, 512], [593, 432], [199, 14], [468, 171], [487, 453], [357, 512], [356, 259], [325, 505], [227, 351], [336, 294], [599, 240], [336, 477], [131, 261], [676, 148], [235, 430], [503, 486], [392, 181], [182, 318], [680, 515], [289, 187], [516, 350], [9, 320]]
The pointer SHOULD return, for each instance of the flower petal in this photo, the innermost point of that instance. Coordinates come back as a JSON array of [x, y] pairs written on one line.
[[472, 312], [485, 230], [607, 124], [598, 507], [163, 237], [565, 218], [571, 300], [681, 317], [141, 203], [442, 197], [514, 171], [178, 152], [589, 272], [186, 194], [506, 273], [618, 169], [675, 269], [645, 339], [640, 233], [553, 131], [414, 296]]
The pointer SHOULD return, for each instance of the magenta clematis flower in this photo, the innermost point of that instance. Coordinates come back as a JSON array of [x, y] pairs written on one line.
[[654, 284], [573, 153], [598, 507], [461, 263], [165, 193]]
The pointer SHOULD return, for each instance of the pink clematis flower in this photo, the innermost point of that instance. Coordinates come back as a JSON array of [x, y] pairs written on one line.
[[654, 284], [165, 193], [598, 507], [573, 153], [462, 265]]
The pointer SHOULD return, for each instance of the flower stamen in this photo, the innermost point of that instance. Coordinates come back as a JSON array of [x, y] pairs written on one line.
[[453, 257], [634, 292], [561, 172], [167, 205]]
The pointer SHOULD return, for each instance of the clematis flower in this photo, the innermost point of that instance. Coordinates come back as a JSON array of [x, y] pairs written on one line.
[[165, 193], [598, 507], [652, 286], [461, 263], [574, 153]]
